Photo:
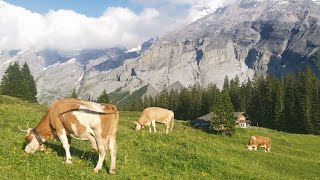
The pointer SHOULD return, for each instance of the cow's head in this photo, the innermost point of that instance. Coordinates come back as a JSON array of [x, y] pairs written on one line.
[[32, 143], [249, 147], [138, 125]]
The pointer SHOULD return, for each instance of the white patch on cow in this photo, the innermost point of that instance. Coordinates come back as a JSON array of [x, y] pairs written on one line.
[[93, 106], [33, 146], [89, 120], [66, 146], [254, 138], [74, 129], [249, 147]]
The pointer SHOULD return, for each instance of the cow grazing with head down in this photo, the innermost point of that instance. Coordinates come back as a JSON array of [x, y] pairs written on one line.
[[151, 115], [81, 119], [259, 141]]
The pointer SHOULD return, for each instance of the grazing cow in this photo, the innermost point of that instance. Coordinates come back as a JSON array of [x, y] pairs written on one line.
[[81, 119], [259, 141], [151, 115]]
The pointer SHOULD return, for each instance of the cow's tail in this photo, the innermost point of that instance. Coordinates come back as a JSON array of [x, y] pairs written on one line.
[[84, 105]]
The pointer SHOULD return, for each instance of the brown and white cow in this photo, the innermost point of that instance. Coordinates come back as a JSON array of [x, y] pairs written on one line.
[[81, 119], [151, 115], [259, 141]]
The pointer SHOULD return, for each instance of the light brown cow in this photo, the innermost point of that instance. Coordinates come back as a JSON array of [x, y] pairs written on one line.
[[151, 115], [259, 141], [81, 119]]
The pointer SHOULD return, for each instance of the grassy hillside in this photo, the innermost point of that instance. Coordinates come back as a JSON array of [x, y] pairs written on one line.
[[186, 153]]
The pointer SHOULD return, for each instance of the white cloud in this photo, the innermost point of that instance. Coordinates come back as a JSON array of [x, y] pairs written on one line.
[[66, 29]]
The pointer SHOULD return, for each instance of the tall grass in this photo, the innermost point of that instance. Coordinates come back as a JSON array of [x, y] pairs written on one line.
[[186, 153]]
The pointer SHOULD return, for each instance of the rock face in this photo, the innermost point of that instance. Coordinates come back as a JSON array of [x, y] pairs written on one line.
[[247, 37]]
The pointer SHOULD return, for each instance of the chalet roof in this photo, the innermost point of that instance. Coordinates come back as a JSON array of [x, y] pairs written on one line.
[[206, 117], [238, 114]]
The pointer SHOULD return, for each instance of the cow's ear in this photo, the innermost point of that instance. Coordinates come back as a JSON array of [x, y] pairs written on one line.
[[28, 131]]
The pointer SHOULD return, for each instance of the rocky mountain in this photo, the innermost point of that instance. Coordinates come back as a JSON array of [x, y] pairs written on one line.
[[243, 38]]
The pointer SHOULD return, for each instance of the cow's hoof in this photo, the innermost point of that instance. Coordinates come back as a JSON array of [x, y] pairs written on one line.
[[68, 161], [96, 170], [112, 172]]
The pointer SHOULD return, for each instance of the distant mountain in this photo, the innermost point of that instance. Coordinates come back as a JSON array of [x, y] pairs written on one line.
[[246, 37]]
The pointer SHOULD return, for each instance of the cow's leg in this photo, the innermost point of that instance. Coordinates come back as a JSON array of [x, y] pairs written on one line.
[[268, 148], [149, 128], [167, 126], [92, 141], [64, 140], [172, 121], [101, 149], [154, 126], [113, 154]]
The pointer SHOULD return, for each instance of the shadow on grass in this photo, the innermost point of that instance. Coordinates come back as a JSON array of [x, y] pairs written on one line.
[[86, 155]]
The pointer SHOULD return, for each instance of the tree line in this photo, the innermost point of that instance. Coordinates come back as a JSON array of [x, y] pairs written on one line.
[[18, 82], [290, 103]]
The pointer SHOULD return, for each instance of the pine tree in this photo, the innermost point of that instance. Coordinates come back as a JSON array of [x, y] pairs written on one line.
[[234, 92], [28, 84], [11, 83], [164, 98], [278, 106], [74, 94], [19, 83], [306, 84], [289, 112], [185, 105], [104, 98], [226, 84], [223, 119], [316, 107]]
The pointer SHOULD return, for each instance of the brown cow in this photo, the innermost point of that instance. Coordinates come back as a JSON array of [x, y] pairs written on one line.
[[151, 115], [259, 141], [81, 119]]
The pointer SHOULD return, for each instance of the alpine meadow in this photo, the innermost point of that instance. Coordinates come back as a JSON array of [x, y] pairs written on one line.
[[185, 153], [140, 89]]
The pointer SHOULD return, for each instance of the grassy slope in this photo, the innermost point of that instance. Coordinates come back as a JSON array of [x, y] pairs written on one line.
[[184, 154]]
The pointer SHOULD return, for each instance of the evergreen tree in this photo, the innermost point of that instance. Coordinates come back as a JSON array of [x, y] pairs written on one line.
[[185, 104], [226, 84], [289, 111], [278, 106], [305, 87], [28, 84], [74, 94], [164, 98], [223, 120], [104, 98], [19, 83], [208, 99], [234, 92], [316, 108], [11, 83]]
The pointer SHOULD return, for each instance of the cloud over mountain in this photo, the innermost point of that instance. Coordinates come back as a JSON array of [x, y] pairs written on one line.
[[117, 26]]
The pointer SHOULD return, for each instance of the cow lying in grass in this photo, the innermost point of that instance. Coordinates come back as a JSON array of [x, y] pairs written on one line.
[[85, 120], [152, 115], [259, 141]]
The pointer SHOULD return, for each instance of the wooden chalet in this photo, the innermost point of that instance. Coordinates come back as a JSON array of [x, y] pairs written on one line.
[[204, 121]]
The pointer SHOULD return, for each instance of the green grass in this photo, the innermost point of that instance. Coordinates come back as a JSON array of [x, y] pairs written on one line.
[[186, 153]]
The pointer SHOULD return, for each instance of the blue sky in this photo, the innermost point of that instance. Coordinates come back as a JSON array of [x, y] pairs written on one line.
[[93, 8], [80, 24]]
